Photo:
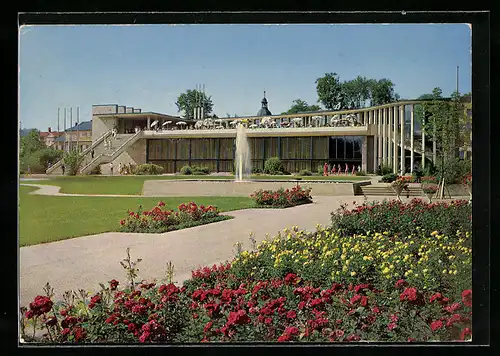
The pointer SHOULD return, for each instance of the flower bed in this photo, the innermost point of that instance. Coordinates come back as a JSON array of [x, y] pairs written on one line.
[[159, 219], [429, 261], [399, 218], [282, 198], [218, 307]]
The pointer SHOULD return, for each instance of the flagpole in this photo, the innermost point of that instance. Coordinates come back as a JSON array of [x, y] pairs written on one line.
[[65, 133], [70, 126], [77, 126]]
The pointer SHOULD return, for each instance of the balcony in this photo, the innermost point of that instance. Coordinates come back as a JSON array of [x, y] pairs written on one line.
[[261, 132]]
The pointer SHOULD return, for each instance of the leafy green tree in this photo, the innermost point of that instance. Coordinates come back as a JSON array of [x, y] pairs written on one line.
[[299, 106], [330, 94], [72, 162], [442, 124], [31, 143], [382, 92], [186, 102], [357, 92]]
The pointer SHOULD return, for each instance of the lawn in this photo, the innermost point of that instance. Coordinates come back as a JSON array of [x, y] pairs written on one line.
[[132, 185], [51, 218]]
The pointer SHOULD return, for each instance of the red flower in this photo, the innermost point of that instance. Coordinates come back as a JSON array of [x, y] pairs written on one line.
[[65, 331], [291, 314], [467, 298], [401, 283], [113, 284], [455, 318], [392, 326], [435, 325], [353, 337], [436, 296], [410, 339], [29, 314], [409, 294], [207, 326], [292, 330], [284, 338], [161, 204], [465, 332], [122, 222], [452, 308]]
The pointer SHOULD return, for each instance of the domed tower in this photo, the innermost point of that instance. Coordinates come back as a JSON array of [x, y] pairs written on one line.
[[264, 111]]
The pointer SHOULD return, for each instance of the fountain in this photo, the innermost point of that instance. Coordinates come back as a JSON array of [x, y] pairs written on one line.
[[243, 164]]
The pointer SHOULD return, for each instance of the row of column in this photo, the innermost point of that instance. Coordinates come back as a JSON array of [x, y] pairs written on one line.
[[390, 133]]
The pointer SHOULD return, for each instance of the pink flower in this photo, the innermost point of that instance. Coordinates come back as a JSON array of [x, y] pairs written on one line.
[[467, 298], [435, 325], [465, 332]]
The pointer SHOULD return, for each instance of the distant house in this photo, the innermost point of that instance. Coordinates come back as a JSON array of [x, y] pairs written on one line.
[[78, 136], [49, 137]]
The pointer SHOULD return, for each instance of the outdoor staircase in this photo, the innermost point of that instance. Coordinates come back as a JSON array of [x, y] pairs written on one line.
[[121, 142], [55, 168], [384, 189]]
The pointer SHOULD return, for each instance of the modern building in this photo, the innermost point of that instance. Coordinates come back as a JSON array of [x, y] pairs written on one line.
[[366, 137]]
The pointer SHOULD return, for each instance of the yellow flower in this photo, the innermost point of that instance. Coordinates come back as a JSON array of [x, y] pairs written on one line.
[[445, 271], [434, 233], [385, 270], [367, 258], [353, 274], [455, 272]]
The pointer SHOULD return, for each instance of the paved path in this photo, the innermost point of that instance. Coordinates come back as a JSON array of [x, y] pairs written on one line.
[[83, 262]]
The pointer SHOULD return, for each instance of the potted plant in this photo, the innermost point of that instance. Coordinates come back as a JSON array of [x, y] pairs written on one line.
[[429, 186], [430, 190], [400, 184]]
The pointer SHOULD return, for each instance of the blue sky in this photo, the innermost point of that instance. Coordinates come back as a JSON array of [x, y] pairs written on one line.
[[148, 66]]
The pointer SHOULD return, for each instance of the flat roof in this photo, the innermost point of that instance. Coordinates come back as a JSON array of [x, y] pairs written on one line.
[[143, 115]]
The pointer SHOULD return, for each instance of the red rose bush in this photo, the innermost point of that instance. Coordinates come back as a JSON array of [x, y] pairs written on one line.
[[160, 219], [282, 198]]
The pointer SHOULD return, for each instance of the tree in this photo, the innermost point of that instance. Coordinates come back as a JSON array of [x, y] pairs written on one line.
[[442, 124], [186, 102], [301, 106], [72, 161], [329, 91], [382, 92], [31, 143], [357, 92]]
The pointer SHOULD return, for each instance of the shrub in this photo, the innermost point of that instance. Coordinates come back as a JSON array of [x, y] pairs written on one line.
[[160, 219], [148, 169], [273, 165], [417, 175], [305, 172], [199, 170], [256, 170], [72, 162], [96, 170], [403, 219], [384, 170], [360, 173], [454, 170], [319, 170], [389, 178], [186, 170], [282, 198]]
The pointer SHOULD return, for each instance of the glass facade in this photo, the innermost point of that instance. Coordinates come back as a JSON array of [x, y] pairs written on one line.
[[296, 153]]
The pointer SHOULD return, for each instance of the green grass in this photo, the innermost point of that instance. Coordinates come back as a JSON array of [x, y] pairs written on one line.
[[50, 218], [132, 185]]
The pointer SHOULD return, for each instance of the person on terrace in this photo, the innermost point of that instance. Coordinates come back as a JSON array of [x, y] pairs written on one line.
[[325, 169]]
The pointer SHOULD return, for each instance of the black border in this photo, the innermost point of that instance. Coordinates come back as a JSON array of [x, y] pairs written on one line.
[[481, 129]]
